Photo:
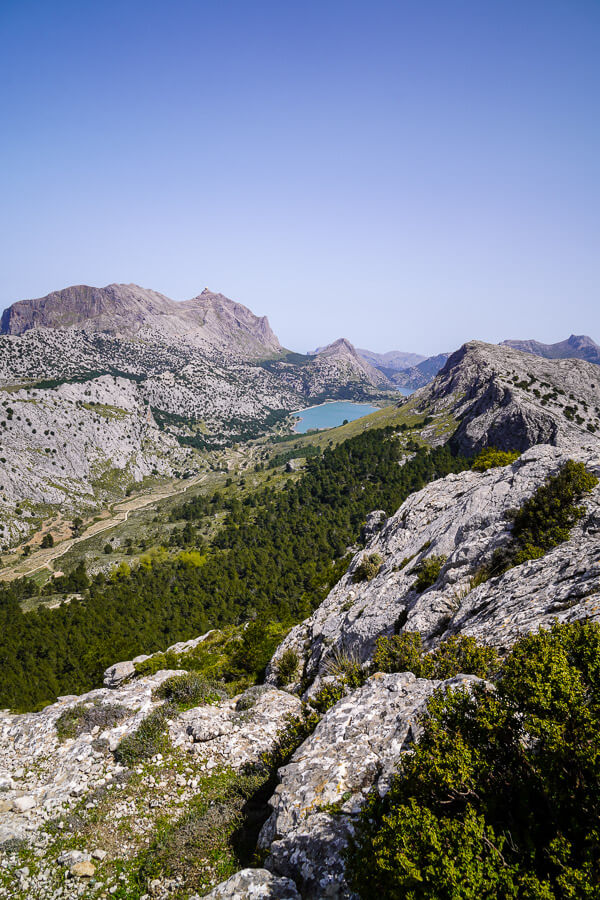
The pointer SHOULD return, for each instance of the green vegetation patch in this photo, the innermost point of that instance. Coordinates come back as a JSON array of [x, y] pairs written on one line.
[[190, 689], [149, 738], [544, 521], [456, 655], [367, 568], [428, 572], [500, 797], [491, 458]]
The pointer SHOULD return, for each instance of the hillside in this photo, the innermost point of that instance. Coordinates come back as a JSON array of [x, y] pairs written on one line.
[[512, 400], [402, 571], [200, 375]]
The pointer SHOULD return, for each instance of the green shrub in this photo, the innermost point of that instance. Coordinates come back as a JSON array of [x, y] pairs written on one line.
[[501, 797], [150, 738], [544, 520], [428, 572], [295, 732], [491, 457], [190, 689], [81, 719], [454, 656], [399, 653], [287, 666], [367, 568]]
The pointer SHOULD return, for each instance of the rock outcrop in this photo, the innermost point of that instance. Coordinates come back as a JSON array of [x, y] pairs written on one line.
[[462, 518], [507, 399], [356, 746]]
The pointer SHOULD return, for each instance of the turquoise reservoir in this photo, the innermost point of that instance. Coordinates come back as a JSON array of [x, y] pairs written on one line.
[[330, 415]]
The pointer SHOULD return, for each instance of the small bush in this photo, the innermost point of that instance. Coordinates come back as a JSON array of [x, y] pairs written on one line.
[[367, 568], [147, 740], [500, 796], [428, 572], [81, 719], [190, 689], [454, 656], [491, 457], [399, 653], [295, 732], [287, 666]]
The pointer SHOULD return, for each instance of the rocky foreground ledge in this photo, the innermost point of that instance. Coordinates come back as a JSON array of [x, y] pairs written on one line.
[[75, 813]]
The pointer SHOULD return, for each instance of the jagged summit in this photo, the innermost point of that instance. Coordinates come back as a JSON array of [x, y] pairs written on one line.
[[343, 354], [577, 346], [130, 311]]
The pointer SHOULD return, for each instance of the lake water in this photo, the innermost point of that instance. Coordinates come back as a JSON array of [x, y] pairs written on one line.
[[330, 415]]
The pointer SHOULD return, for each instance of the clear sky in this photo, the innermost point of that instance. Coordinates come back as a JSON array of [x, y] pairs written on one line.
[[407, 174]]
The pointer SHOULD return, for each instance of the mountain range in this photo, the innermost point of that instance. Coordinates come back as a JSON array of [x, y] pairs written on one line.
[[118, 786], [577, 346]]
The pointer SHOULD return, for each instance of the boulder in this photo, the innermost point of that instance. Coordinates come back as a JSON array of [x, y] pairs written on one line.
[[118, 673], [357, 745], [255, 884]]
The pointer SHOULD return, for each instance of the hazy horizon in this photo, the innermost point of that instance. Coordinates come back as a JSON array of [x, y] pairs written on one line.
[[406, 175]]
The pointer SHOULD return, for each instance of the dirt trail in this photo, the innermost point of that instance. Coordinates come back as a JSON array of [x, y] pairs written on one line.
[[119, 513]]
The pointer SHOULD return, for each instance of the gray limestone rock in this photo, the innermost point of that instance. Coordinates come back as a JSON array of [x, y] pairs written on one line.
[[118, 673], [464, 518], [356, 746], [254, 884]]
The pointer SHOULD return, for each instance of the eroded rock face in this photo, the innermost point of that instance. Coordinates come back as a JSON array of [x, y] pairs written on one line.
[[357, 745], [464, 518]]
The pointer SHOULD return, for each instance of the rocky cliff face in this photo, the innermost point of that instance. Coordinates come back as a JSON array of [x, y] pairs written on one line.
[[577, 346], [128, 311], [76, 446], [504, 398]]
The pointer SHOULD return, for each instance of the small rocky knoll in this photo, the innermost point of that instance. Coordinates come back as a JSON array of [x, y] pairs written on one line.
[[76, 817], [512, 400], [356, 746]]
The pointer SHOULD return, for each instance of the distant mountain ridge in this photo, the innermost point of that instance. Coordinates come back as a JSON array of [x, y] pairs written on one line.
[[408, 371], [345, 355], [577, 346], [209, 320], [396, 360]]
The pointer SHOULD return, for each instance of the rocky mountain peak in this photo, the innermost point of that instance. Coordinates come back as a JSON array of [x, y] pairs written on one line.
[[512, 400], [209, 320]]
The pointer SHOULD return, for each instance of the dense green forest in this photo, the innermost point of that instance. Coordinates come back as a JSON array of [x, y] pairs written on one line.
[[275, 557]]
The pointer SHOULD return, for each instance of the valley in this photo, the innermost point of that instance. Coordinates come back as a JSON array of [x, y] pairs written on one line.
[[220, 637]]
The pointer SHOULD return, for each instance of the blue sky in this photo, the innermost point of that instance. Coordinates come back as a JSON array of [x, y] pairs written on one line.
[[409, 175]]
